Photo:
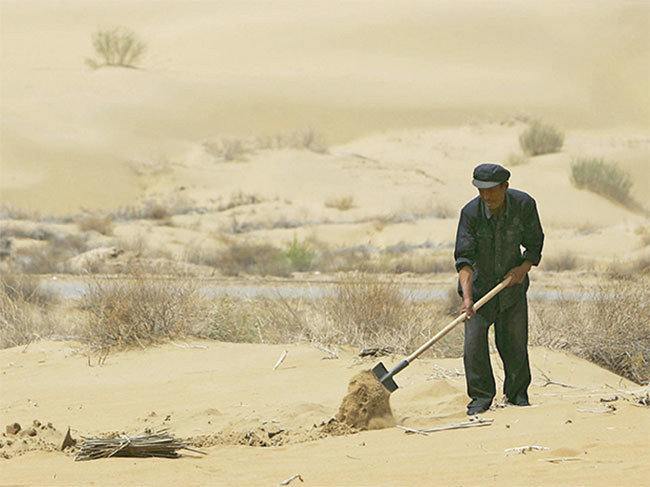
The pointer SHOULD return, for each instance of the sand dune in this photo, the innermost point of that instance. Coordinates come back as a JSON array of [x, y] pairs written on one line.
[[214, 68]]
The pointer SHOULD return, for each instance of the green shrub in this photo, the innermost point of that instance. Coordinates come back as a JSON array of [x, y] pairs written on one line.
[[300, 255], [540, 138], [116, 47], [602, 177]]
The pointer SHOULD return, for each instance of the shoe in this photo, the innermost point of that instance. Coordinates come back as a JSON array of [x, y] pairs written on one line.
[[474, 410], [518, 402]]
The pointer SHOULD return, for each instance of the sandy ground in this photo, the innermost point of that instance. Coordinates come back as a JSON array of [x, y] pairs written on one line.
[[217, 392]]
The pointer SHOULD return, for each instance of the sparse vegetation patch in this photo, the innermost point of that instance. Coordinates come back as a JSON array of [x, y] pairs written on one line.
[[118, 47], [611, 329], [603, 178], [343, 203], [540, 138]]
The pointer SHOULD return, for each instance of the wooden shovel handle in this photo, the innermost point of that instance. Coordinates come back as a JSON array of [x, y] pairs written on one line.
[[493, 292]]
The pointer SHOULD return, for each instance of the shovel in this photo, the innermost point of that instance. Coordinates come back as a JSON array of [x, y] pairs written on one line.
[[386, 378]]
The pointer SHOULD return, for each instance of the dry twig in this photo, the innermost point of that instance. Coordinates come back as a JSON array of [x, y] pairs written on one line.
[[524, 449], [467, 424], [291, 479], [281, 359]]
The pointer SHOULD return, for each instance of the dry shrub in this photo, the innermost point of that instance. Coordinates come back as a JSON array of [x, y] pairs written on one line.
[[138, 310], [540, 138], [97, 223], [26, 288], [516, 159], [643, 232], [564, 261], [230, 320], [116, 47], [344, 203], [24, 314], [51, 257], [603, 178], [362, 312], [423, 264], [629, 269], [369, 312], [228, 148], [157, 208], [255, 259], [610, 328]]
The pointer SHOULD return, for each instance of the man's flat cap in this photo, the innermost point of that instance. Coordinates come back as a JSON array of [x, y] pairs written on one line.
[[489, 175]]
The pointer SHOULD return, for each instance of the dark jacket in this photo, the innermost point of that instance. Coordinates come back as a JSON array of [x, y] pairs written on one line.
[[492, 245]]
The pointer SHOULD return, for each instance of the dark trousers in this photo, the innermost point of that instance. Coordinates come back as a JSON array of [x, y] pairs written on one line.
[[511, 333]]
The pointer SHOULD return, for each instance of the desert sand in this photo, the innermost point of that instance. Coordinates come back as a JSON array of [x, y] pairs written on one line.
[[408, 99], [215, 393]]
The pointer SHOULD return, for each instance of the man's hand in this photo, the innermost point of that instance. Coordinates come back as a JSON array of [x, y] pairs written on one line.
[[466, 275], [468, 308], [519, 273]]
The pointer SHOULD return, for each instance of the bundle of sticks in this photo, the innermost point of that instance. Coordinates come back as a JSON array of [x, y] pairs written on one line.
[[158, 444]]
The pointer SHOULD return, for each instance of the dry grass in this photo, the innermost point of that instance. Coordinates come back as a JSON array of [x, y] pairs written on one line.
[[24, 311], [563, 261], [610, 329]]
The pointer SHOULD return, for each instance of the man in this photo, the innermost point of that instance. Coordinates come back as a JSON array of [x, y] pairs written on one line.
[[492, 229]]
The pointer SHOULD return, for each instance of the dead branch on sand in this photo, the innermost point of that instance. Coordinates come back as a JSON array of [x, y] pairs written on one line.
[[467, 424], [291, 479], [281, 359], [559, 459], [158, 444], [524, 449], [331, 354], [550, 381], [608, 410]]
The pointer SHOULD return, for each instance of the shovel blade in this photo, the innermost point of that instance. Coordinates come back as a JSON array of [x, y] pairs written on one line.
[[384, 377]]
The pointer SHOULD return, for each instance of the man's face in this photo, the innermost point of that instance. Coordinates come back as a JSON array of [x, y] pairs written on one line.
[[494, 196]]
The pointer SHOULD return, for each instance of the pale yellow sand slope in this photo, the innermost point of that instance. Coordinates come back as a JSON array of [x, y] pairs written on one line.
[[248, 68]]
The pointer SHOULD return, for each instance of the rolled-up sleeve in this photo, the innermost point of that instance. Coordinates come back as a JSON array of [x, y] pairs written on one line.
[[464, 252], [533, 237]]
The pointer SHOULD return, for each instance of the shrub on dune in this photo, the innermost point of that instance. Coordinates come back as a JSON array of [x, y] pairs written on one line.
[[540, 138], [603, 178], [116, 47]]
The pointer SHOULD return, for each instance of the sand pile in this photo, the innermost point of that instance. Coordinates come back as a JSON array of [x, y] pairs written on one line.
[[366, 405], [17, 440]]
